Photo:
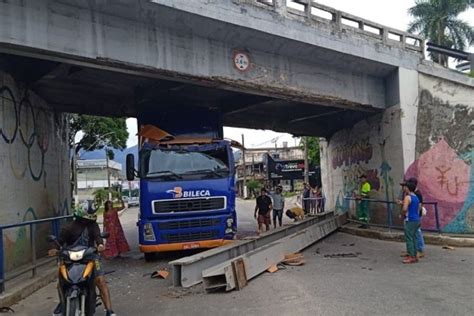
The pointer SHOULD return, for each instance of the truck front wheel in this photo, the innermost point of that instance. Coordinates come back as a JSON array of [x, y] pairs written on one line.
[[149, 256]]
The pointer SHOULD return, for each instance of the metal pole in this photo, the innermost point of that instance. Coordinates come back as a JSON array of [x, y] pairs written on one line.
[[2, 266], [74, 172], [33, 248], [306, 164], [244, 188], [108, 173], [438, 228]]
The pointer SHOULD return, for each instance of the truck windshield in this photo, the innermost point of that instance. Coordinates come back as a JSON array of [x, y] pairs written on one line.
[[172, 164]]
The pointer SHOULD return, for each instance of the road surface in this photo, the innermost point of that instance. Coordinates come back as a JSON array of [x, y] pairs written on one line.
[[372, 282]]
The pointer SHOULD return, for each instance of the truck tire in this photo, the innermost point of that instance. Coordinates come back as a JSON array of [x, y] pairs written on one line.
[[149, 256]]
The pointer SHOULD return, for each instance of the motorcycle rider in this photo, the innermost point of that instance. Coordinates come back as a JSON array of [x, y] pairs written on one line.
[[84, 231]]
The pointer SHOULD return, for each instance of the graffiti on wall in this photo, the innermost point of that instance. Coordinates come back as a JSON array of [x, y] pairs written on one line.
[[445, 177], [350, 154], [24, 129]]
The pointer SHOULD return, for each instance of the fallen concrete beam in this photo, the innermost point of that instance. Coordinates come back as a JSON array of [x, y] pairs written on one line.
[[187, 271], [226, 276]]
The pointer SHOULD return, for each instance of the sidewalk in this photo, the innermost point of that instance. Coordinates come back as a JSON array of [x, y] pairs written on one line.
[[398, 235], [24, 285]]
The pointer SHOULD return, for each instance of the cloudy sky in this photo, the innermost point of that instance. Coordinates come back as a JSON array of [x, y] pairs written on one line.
[[389, 13]]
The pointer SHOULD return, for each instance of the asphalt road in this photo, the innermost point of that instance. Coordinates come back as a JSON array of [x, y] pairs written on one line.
[[372, 282]]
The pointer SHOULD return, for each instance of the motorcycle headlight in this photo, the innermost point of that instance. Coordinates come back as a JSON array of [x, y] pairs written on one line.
[[76, 255]]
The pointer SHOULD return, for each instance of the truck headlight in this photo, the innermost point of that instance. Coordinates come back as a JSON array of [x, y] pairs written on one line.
[[229, 231], [230, 221], [148, 233]]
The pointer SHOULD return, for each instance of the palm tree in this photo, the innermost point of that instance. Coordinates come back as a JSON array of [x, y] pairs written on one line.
[[438, 22]]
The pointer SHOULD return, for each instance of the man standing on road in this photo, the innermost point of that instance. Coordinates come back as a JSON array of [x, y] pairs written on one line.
[[363, 209], [278, 206], [264, 207]]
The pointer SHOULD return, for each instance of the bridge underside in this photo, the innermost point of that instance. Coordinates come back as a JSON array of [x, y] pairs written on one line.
[[80, 89]]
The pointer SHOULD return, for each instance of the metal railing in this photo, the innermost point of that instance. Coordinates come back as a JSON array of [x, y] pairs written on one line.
[[390, 213], [339, 20], [35, 261]]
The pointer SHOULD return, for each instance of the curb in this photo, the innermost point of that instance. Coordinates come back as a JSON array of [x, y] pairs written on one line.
[[25, 289], [431, 239]]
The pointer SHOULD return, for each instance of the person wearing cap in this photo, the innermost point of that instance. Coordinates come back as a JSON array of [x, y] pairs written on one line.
[[263, 207], [410, 210], [278, 206], [363, 207]]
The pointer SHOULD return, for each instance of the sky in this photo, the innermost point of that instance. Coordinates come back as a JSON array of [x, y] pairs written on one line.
[[390, 13]]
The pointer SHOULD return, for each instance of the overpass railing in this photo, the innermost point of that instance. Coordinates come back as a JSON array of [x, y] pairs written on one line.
[[36, 262], [339, 20], [391, 214]]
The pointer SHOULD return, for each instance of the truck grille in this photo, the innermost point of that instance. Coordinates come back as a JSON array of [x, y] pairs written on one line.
[[189, 205], [189, 224], [196, 236]]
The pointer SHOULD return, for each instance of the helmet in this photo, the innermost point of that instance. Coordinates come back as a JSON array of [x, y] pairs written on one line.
[[87, 210]]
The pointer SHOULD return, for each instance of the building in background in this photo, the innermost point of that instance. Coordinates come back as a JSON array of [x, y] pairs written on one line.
[[92, 175], [275, 166]]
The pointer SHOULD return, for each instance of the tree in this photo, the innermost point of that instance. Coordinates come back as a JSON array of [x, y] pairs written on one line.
[[97, 133], [313, 149], [438, 22], [254, 186]]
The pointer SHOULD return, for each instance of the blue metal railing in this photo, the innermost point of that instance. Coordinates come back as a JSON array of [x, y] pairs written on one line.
[[390, 213], [55, 226]]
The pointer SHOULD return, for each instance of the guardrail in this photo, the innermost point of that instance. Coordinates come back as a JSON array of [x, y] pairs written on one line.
[[339, 20], [390, 212], [35, 263]]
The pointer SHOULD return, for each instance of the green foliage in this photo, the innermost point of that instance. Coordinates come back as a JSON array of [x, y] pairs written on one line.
[[102, 195], [438, 22], [314, 156], [254, 187], [471, 74], [98, 132]]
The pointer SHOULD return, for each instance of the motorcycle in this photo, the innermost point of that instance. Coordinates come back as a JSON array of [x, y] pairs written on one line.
[[76, 279]]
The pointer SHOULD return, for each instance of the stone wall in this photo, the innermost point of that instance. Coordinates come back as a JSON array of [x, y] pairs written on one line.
[[34, 168]]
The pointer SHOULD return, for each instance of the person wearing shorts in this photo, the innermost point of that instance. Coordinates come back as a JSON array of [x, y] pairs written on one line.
[[263, 208]]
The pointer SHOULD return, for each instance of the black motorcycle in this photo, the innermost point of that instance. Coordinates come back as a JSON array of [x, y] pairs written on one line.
[[76, 279]]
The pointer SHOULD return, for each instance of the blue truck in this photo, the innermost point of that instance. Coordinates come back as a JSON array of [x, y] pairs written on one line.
[[187, 182]]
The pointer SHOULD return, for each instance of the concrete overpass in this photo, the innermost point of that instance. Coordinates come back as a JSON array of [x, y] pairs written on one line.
[[305, 69]]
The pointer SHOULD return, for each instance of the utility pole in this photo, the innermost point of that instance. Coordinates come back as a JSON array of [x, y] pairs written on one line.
[[244, 189], [306, 164], [108, 172]]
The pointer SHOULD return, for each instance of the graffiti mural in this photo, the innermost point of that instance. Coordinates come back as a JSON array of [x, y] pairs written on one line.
[[34, 167], [350, 154], [445, 177]]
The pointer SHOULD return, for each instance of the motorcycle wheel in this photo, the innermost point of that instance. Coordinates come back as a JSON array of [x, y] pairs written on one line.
[[74, 307]]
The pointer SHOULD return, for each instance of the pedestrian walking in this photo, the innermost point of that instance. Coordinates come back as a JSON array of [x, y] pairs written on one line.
[[363, 207], [410, 209], [319, 197], [263, 207], [313, 200], [278, 206], [116, 243]]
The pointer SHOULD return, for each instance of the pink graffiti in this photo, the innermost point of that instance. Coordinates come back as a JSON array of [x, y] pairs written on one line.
[[442, 177], [352, 154]]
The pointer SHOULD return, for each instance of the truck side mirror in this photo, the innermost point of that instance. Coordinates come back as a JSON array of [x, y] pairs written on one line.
[[130, 167]]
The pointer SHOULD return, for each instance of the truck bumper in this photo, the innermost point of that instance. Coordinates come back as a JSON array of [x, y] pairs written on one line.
[[184, 245]]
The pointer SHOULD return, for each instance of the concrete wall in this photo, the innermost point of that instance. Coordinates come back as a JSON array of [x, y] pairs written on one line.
[[33, 166], [445, 151], [429, 135]]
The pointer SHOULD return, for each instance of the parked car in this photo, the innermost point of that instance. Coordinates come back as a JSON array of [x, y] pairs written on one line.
[[133, 201]]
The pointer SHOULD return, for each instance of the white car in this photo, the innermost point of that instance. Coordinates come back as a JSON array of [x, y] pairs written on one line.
[[133, 201]]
